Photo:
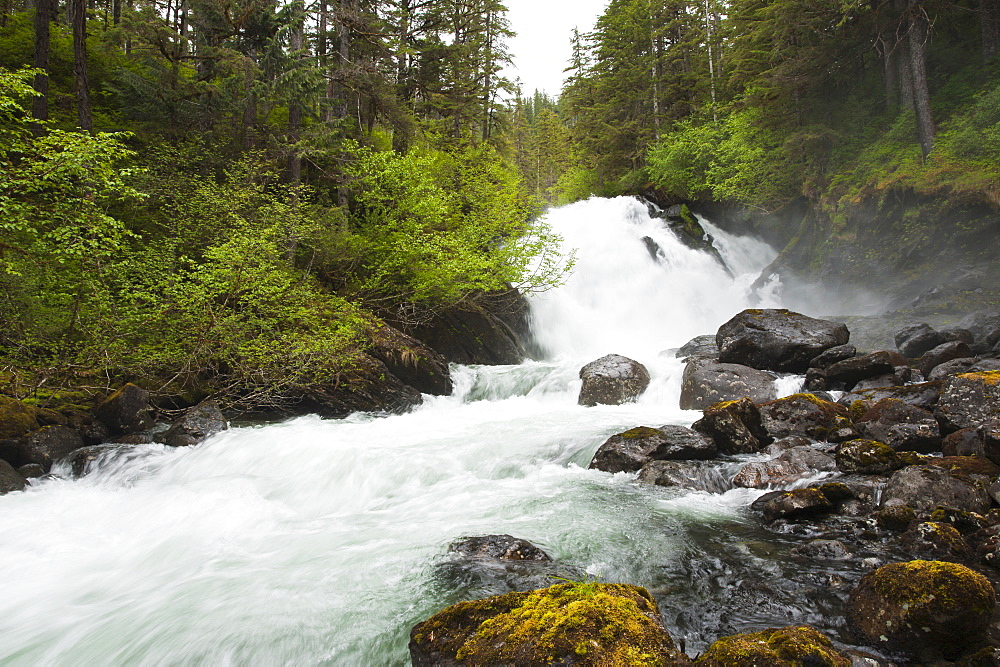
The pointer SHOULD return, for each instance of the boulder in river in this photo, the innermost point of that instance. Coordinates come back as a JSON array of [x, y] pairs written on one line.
[[699, 346], [854, 370], [901, 426], [969, 399], [629, 451], [367, 386], [833, 355], [928, 486], [411, 361], [867, 457], [694, 475], [935, 541], [734, 426], [803, 414], [794, 504], [197, 424], [923, 395], [777, 339], [612, 380], [927, 609], [126, 410], [941, 354], [570, 624], [10, 479], [915, 339], [777, 647], [499, 547], [49, 444], [707, 382]]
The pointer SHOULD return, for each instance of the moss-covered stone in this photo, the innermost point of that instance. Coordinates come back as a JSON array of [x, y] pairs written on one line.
[[640, 432], [791, 646], [16, 418], [928, 609], [803, 414], [868, 457], [895, 517], [573, 623], [939, 541]]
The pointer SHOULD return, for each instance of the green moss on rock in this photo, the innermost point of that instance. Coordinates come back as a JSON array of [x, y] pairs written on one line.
[[791, 646], [928, 609], [16, 418], [582, 624], [641, 432], [868, 457]]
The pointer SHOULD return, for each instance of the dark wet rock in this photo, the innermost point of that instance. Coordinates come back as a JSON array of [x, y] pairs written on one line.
[[134, 439], [126, 410], [784, 647], [10, 479], [837, 492], [790, 466], [586, 624], [629, 451], [10, 450], [699, 346], [984, 657], [822, 550], [491, 329], [762, 474], [927, 609], [953, 367], [901, 426], [816, 380], [843, 434], [694, 475], [49, 444], [31, 471], [734, 426], [499, 547], [833, 355], [958, 334], [881, 381], [410, 360], [989, 436], [964, 522], [612, 380], [968, 400], [896, 518], [707, 382], [196, 425], [914, 340], [802, 414], [985, 545], [367, 386], [935, 541], [794, 504], [977, 468], [16, 418], [941, 354], [926, 487], [964, 442], [851, 371], [653, 248], [83, 460], [777, 340], [923, 395], [782, 445]]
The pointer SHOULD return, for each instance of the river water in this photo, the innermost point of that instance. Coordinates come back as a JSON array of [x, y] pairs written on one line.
[[324, 541]]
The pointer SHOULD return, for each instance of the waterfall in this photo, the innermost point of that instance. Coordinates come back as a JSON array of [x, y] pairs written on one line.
[[324, 541]]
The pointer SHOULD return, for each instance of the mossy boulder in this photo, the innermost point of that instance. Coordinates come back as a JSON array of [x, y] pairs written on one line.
[[777, 339], [901, 426], [16, 418], [803, 414], [410, 360], [927, 609], [896, 518], [792, 646], [923, 394], [867, 457], [969, 399], [568, 624], [793, 505], [934, 540]]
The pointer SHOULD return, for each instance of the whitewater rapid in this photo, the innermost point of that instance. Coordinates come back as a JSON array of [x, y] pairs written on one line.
[[324, 541]]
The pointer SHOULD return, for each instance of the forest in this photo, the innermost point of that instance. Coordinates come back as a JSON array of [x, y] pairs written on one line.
[[244, 190]]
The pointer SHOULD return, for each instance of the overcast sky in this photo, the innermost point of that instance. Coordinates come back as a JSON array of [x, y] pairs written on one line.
[[541, 49]]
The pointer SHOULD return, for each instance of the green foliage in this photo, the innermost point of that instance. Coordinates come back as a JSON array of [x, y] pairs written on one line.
[[437, 227]]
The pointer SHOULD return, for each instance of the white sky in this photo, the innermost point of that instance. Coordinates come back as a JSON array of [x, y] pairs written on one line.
[[541, 48]]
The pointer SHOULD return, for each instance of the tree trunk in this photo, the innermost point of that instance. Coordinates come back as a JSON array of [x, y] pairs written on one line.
[[40, 104], [989, 15], [79, 20], [344, 49], [921, 93], [295, 105]]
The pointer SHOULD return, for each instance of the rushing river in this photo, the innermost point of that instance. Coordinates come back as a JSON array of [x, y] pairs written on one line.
[[324, 541]]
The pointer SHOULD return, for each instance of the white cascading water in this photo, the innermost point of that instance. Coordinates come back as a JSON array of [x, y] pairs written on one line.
[[322, 541]]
